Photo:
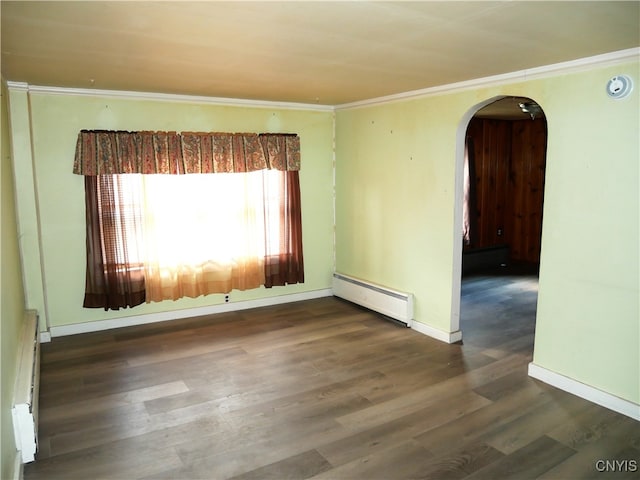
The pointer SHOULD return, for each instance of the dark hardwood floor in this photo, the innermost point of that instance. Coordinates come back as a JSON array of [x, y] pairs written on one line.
[[321, 389]]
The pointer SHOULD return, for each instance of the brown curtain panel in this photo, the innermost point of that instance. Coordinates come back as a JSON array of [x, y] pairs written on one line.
[[113, 280], [287, 267]]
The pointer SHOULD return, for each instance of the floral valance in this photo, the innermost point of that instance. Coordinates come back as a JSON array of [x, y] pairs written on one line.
[[103, 152]]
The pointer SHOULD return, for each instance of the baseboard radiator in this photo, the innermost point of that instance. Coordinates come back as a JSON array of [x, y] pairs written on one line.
[[390, 303], [25, 400]]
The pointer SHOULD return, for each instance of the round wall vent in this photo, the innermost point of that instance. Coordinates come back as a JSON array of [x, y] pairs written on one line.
[[619, 86]]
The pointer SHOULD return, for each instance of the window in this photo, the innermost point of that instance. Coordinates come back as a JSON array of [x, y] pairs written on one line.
[[120, 197], [173, 215], [191, 235], [195, 219]]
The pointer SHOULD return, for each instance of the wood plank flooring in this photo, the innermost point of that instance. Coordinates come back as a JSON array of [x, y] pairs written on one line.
[[321, 389]]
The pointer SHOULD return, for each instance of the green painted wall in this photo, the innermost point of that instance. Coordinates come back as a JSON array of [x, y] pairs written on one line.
[[11, 297], [394, 199], [588, 325], [53, 126], [395, 192]]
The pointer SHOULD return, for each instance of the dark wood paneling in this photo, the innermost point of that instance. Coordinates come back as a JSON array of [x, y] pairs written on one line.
[[526, 185], [510, 165]]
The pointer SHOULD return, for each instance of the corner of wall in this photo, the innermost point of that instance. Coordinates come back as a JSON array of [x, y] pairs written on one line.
[[28, 219]]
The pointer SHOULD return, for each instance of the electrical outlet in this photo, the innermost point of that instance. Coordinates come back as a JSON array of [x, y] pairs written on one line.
[[226, 299]]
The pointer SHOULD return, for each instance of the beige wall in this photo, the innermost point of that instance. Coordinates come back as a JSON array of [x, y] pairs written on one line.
[[11, 298], [397, 201]]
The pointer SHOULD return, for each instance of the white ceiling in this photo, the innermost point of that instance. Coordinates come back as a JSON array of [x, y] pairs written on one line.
[[328, 53]]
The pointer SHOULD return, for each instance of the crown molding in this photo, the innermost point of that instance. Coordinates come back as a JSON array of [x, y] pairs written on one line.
[[166, 97], [597, 61], [18, 86], [572, 66]]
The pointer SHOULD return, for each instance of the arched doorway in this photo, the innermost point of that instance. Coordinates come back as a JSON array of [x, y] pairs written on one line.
[[499, 196]]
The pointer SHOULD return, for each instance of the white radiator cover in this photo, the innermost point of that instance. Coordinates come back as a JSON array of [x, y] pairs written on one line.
[[25, 398], [388, 302]]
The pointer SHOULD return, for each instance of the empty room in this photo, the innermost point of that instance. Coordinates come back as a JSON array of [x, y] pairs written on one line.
[[329, 240]]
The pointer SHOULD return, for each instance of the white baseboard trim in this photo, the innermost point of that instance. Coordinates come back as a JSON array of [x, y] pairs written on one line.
[[100, 325], [587, 392], [45, 337], [447, 337]]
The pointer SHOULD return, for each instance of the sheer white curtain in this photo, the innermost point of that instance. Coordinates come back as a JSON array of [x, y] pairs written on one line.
[[205, 233]]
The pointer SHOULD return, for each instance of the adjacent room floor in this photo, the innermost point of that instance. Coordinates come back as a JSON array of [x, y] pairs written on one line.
[[320, 389], [498, 308]]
